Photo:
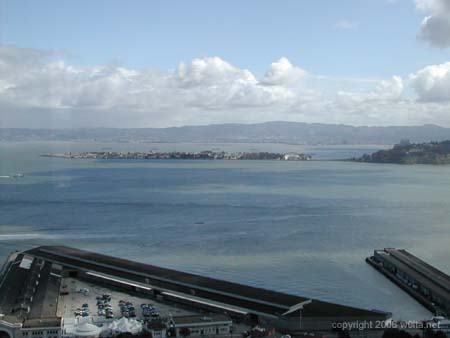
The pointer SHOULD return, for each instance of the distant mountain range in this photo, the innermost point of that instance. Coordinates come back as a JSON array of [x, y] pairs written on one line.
[[269, 132]]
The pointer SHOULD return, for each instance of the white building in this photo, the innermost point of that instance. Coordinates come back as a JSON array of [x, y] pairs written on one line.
[[199, 325], [12, 327], [86, 330], [296, 157], [9, 327]]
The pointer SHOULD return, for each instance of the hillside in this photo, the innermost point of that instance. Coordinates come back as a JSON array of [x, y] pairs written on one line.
[[269, 132], [412, 153]]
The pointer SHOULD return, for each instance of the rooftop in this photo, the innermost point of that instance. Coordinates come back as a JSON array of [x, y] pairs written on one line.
[[255, 300], [10, 319], [427, 280], [438, 277], [210, 318], [17, 287], [42, 322], [29, 291]]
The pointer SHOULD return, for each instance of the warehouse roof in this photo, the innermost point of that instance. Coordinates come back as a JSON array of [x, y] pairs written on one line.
[[426, 281], [256, 300], [437, 276], [42, 322], [29, 292]]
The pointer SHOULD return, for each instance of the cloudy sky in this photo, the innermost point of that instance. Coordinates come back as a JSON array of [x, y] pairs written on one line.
[[170, 63]]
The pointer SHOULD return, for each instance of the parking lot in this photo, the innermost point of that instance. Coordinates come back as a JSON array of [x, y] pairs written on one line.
[[74, 300]]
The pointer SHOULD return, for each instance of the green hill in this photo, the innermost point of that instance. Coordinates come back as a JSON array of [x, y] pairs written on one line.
[[411, 153]]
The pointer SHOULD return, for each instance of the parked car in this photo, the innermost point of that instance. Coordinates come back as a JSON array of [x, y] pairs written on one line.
[[84, 291]]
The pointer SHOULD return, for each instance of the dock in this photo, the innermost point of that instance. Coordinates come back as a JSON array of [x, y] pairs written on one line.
[[425, 283], [47, 291], [243, 303]]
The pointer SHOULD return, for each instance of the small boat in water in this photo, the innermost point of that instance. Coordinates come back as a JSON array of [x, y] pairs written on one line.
[[18, 175]]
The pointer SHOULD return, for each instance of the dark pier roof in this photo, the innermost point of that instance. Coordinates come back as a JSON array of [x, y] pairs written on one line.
[[29, 291], [255, 300], [428, 276], [421, 267], [15, 288]]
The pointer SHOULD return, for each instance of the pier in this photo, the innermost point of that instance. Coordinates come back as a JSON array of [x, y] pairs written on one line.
[[32, 284], [428, 285]]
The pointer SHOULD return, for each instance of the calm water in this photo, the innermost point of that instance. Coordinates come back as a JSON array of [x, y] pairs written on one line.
[[298, 227]]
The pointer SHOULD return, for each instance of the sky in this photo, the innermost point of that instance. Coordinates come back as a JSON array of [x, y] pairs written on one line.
[[166, 63]]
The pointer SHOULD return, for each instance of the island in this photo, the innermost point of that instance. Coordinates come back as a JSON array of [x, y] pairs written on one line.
[[180, 155], [411, 153]]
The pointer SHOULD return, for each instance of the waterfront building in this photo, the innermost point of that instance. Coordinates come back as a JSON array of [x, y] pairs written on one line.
[[85, 330], [29, 289], [31, 285], [157, 328], [16, 327], [200, 325]]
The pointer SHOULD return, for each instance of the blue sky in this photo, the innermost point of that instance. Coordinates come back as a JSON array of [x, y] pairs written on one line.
[[342, 45], [249, 34]]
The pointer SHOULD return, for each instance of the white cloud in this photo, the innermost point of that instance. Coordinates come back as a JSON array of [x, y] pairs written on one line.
[[213, 83], [41, 89], [390, 89], [212, 71], [435, 7], [283, 72], [205, 87], [432, 83], [386, 90], [435, 28]]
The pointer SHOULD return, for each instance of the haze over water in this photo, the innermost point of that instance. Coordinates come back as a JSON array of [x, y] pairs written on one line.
[[298, 227]]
